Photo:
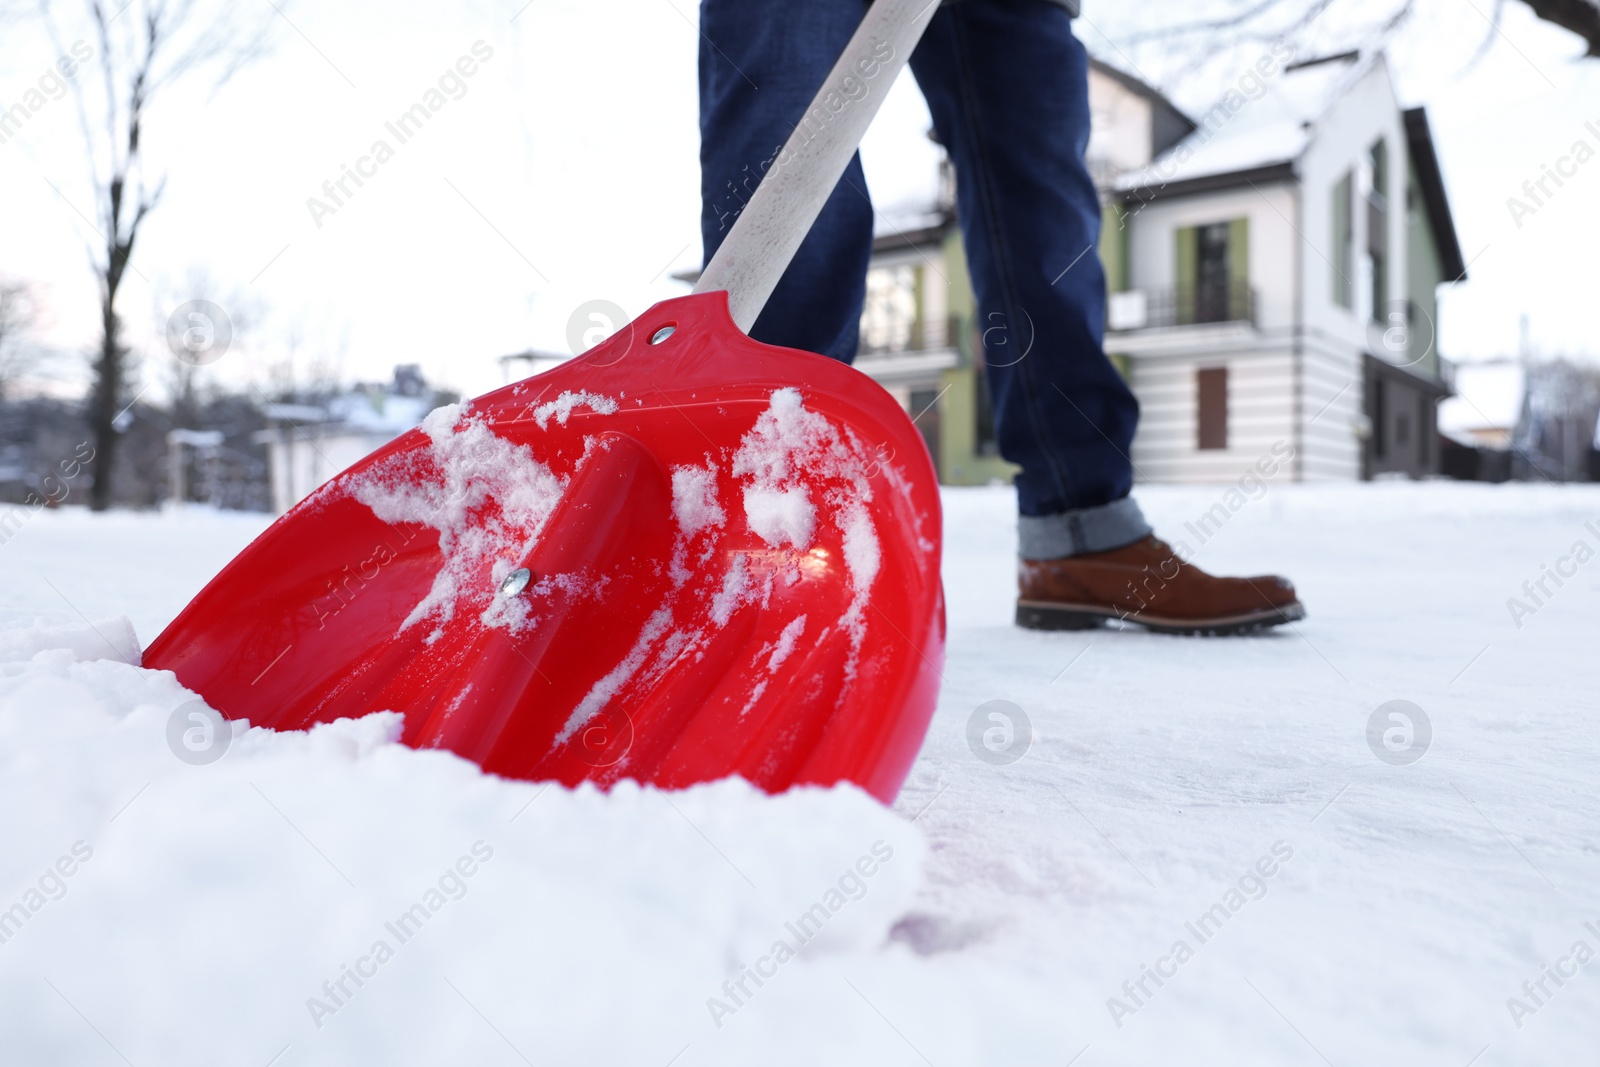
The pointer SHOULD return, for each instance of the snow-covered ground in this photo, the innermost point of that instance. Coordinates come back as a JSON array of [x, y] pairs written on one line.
[[1207, 811]]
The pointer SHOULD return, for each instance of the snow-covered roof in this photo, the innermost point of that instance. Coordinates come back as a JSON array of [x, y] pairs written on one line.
[[903, 222], [1242, 133], [379, 411], [371, 410], [1226, 153], [1488, 397]]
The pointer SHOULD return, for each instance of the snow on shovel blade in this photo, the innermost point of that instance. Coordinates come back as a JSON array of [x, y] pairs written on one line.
[[680, 556]]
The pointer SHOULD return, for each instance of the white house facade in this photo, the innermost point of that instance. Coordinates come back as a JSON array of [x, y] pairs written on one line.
[[1278, 296]]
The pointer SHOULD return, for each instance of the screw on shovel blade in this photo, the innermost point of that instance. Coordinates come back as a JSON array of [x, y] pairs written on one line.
[[515, 582]]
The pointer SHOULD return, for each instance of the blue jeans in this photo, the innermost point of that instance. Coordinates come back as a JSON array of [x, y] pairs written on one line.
[[1007, 85]]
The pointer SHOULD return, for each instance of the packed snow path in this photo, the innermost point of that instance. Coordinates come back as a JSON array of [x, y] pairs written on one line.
[[1198, 857]]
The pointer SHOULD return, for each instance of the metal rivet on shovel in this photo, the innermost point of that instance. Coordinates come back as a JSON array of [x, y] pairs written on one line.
[[515, 582], [662, 334]]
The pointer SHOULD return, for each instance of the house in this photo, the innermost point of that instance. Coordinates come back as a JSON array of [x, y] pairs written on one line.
[[1532, 419], [1556, 431], [1272, 272], [1478, 423], [1490, 397], [1278, 282], [919, 331], [308, 443]]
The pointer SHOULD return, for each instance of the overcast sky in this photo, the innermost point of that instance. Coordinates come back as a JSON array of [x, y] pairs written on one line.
[[566, 172]]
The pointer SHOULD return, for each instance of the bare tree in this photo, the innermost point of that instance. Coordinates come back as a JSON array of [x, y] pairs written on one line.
[[1556, 431], [1256, 22], [18, 314], [1582, 17], [189, 384], [143, 48]]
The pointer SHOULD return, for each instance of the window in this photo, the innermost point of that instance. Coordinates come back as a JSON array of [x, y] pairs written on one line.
[[1380, 419], [1424, 429], [1211, 389], [1344, 239], [1213, 273], [1378, 229], [889, 319]]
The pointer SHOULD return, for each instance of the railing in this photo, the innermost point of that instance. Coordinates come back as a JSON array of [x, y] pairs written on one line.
[[906, 338], [1143, 309]]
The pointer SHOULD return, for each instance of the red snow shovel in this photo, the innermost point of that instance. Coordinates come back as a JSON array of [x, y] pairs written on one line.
[[680, 556]]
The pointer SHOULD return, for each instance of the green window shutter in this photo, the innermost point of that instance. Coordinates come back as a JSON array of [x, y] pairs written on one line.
[[1378, 230], [1187, 269], [1114, 246], [1239, 270], [1343, 239], [919, 277]]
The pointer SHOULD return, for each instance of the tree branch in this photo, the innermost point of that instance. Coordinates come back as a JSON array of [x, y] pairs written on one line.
[[1253, 20], [1582, 17]]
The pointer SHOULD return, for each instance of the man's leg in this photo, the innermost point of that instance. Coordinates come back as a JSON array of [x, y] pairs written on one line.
[[761, 61], [1007, 84]]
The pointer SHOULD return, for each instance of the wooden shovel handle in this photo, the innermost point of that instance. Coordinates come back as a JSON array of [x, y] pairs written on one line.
[[801, 177]]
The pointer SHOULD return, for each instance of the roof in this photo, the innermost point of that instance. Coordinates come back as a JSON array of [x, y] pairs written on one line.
[[1241, 137], [1430, 179], [1169, 123], [379, 411], [927, 229], [919, 227], [1130, 82], [376, 412]]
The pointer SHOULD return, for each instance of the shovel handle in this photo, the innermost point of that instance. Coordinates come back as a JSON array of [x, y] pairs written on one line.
[[805, 171]]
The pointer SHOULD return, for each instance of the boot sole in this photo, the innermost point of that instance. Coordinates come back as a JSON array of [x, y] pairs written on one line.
[[1041, 615]]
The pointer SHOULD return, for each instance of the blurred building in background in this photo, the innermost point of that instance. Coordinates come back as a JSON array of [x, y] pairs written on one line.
[[1271, 264], [1272, 270], [309, 441], [919, 329], [1524, 418], [44, 442], [1478, 425], [1558, 428]]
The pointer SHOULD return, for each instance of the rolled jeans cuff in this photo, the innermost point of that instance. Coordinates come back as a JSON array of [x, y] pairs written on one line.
[[1075, 533]]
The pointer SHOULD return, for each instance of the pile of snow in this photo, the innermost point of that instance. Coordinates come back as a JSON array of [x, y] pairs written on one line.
[[351, 900], [694, 499], [788, 446]]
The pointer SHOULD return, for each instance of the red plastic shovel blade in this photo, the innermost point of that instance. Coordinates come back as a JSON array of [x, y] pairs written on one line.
[[680, 556]]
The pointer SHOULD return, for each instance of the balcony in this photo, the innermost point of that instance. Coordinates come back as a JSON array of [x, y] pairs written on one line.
[[903, 335], [1149, 309], [897, 348]]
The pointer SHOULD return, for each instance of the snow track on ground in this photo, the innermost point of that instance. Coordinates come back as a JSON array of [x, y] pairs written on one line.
[[218, 913]]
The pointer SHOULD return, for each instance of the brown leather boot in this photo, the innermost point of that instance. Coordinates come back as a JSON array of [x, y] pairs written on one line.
[[1147, 583]]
